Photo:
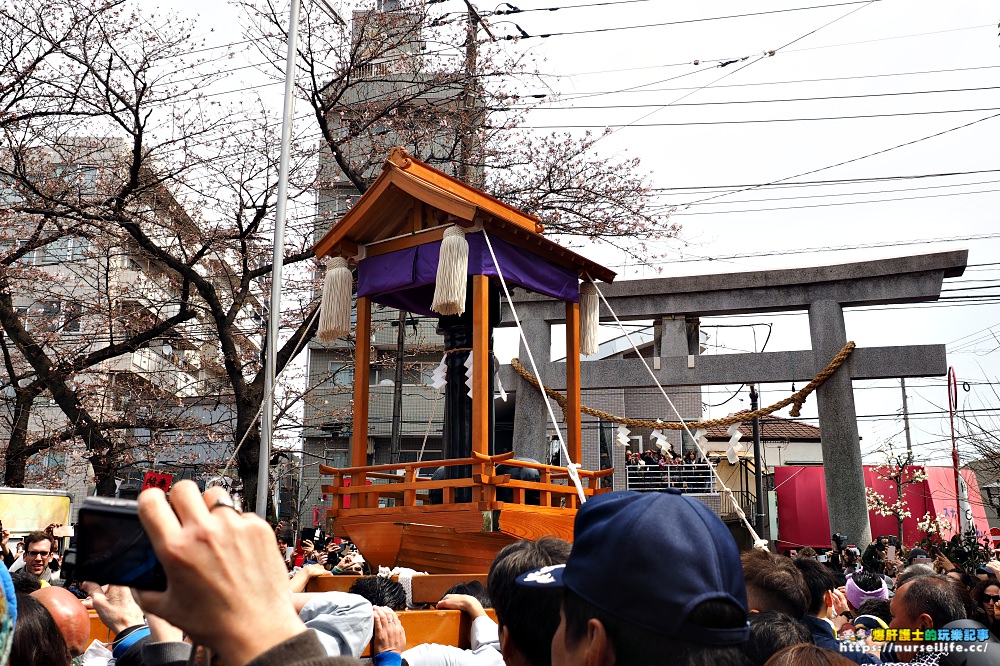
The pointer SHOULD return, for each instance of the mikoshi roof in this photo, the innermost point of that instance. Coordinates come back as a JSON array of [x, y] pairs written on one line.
[[411, 203]]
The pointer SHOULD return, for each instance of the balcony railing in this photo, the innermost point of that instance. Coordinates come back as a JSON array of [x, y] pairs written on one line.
[[693, 478]]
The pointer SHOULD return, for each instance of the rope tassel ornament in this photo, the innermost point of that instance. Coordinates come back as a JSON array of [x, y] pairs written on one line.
[[590, 318], [453, 267], [335, 306]]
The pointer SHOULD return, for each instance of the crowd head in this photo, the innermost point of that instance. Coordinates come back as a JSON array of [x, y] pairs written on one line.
[[610, 611]]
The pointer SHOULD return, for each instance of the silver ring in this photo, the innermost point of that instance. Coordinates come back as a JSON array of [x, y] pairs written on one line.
[[226, 502]]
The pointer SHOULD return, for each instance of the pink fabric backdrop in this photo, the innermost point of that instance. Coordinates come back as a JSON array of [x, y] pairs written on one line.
[[803, 518]]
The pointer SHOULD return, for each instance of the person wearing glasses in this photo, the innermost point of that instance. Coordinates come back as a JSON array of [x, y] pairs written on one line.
[[987, 596], [38, 551]]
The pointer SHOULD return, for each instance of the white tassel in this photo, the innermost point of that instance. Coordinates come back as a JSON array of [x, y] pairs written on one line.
[[589, 318], [452, 271], [335, 306]]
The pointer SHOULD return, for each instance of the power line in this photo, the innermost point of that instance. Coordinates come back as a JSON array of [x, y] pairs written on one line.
[[862, 157], [796, 197], [740, 68], [834, 248], [836, 203], [747, 121], [836, 181], [543, 107], [683, 22], [763, 83]]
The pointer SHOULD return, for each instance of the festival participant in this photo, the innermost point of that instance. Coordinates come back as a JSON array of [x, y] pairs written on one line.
[[484, 639], [38, 551], [240, 607], [8, 614], [527, 617], [828, 612], [864, 586], [70, 616], [774, 584], [8, 557], [139, 640], [37, 641], [986, 595], [614, 612], [380, 591], [770, 632], [926, 602]]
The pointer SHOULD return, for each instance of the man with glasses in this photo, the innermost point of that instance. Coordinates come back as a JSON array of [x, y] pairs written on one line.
[[38, 552]]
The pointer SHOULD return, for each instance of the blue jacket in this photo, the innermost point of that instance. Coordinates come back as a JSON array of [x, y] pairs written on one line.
[[824, 637]]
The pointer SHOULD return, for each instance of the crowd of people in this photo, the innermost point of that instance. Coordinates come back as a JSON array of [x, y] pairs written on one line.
[[591, 602], [661, 458]]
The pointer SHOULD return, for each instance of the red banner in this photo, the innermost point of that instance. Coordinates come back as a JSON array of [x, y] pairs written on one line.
[[157, 480]]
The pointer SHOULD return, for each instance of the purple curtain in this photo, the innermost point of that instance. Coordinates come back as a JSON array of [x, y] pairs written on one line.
[[405, 279]]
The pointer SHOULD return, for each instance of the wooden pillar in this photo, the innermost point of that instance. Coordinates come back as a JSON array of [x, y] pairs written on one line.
[[482, 390], [572, 418], [362, 363]]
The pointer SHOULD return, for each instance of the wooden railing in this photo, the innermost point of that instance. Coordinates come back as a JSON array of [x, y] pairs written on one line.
[[402, 484]]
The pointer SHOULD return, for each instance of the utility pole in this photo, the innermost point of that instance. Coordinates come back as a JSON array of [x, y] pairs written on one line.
[[906, 421], [758, 472], [274, 313], [469, 124]]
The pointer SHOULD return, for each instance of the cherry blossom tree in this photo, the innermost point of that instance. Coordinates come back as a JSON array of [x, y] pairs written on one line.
[[897, 469]]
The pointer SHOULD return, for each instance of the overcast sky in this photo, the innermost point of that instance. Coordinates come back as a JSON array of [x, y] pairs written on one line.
[[874, 76]]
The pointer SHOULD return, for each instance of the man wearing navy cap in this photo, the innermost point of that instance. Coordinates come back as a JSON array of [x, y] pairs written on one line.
[[653, 578]]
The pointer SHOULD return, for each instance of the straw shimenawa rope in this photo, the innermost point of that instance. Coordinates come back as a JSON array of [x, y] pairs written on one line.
[[797, 399]]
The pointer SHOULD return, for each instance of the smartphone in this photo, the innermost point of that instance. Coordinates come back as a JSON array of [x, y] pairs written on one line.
[[890, 553], [112, 546], [922, 560]]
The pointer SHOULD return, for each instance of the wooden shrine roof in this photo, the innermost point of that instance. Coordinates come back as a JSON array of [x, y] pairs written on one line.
[[412, 203]]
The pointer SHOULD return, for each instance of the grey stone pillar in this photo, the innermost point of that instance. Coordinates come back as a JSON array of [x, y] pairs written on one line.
[[530, 417], [845, 482], [673, 336]]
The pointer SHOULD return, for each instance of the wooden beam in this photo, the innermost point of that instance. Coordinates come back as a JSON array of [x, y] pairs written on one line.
[[403, 242], [572, 412]]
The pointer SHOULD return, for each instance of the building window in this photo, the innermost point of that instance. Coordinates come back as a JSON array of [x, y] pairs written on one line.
[[72, 312], [414, 374], [29, 257], [341, 374]]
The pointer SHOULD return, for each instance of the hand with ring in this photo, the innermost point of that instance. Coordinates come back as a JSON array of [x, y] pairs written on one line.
[[388, 634], [220, 565]]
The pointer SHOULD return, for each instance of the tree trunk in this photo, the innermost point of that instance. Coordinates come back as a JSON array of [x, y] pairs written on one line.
[[15, 461], [104, 474], [18, 450]]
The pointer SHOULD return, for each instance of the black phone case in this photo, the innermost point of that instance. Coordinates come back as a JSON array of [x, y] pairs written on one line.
[[113, 547]]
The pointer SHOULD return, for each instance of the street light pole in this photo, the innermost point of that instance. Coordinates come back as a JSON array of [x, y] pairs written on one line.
[[274, 315]]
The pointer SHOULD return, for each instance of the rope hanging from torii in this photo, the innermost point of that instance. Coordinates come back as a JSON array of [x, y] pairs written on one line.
[[797, 399]]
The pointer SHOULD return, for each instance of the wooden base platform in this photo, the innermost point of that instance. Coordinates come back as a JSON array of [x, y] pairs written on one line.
[[391, 513]]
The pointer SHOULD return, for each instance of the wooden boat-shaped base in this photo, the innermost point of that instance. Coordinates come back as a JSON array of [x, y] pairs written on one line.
[[447, 539]]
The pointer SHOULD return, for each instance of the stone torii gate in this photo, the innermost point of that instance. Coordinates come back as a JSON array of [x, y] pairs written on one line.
[[822, 291]]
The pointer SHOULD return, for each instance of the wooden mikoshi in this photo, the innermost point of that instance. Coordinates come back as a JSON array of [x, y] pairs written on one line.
[[397, 236]]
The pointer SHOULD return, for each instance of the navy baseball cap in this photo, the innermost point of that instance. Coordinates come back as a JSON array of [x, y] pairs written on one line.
[[651, 559]]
